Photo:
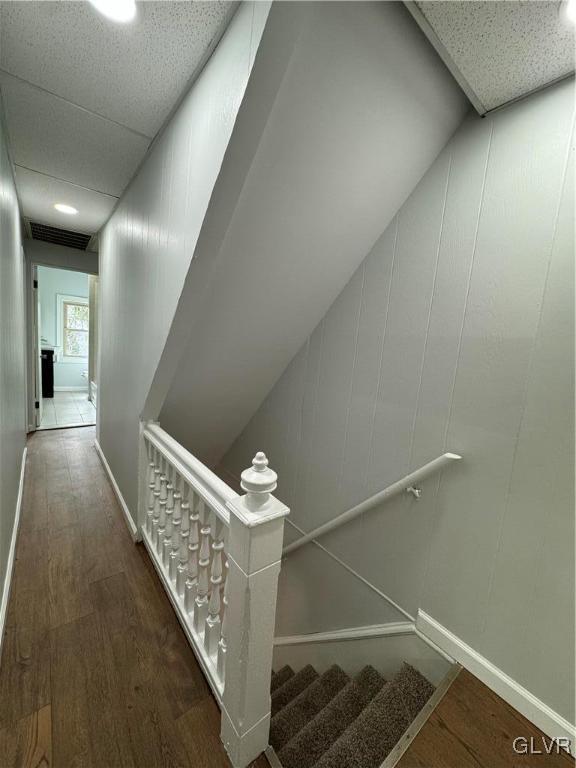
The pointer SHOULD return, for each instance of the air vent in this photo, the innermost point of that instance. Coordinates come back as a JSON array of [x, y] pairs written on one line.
[[59, 236]]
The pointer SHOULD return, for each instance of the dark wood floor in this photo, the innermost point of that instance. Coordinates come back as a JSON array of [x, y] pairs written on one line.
[[472, 727], [96, 671]]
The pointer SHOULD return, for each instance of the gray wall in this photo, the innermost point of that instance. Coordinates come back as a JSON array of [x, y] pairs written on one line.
[[146, 247], [361, 111], [12, 371], [51, 255], [456, 333]]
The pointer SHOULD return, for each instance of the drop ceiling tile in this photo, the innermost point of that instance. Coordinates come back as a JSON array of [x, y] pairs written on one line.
[[132, 73], [38, 194], [503, 49], [50, 135]]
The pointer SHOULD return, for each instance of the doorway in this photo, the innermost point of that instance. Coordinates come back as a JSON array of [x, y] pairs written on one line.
[[65, 347]]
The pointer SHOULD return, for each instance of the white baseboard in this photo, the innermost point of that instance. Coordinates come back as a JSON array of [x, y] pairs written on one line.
[[539, 713], [384, 646], [71, 389], [134, 532], [12, 552]]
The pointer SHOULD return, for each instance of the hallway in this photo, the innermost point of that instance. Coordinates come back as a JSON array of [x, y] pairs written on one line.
[[95, 668]]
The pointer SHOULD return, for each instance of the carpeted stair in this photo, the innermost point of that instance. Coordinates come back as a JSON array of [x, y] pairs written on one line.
[[332, 721]]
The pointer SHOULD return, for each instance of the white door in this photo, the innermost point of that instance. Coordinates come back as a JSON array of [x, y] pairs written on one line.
[[37, 347]]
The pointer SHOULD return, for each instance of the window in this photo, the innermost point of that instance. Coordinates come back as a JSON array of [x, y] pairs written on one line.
[[73, 328]]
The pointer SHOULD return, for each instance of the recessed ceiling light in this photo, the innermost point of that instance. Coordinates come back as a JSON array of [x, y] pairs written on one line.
[[117, 10], [568, 10], [68, 209]]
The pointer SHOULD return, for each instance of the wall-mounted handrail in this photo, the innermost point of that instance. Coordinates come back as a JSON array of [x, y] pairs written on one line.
[[405, 484]]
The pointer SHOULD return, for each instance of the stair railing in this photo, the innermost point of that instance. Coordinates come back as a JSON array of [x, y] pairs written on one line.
[[218, 555], [407, 484]]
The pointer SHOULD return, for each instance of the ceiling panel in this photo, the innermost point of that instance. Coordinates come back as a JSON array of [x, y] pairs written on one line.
[[131, 73], [55, 137], [499, 50], [38, 193]]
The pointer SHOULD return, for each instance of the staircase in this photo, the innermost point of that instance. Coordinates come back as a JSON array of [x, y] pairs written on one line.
[[334, 721]]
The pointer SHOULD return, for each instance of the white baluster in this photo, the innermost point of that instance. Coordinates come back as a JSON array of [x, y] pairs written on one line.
[[156, 515], [151, 488], [167, 542], [212, 632], [184, 552], [162, 507], [176, 528], [193, 547], [201, 601], [222, 645]]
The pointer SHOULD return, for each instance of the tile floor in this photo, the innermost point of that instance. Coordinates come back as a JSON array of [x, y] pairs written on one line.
[[67, 409]]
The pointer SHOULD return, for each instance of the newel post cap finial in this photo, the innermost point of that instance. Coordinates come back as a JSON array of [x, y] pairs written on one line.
[[259, 479]]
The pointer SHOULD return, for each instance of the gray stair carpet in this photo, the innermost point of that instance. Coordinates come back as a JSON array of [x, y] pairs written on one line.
[[292, 687], [280, 677], [295, 715], [334, 722]]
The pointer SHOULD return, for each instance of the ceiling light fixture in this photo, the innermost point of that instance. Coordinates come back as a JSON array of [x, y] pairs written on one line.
[[568, 10], [122, 11], [67, 209]]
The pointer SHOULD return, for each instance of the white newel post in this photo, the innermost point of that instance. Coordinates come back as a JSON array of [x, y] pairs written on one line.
[[254, 554]]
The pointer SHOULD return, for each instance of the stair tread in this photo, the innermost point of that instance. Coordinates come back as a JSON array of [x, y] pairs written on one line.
[[292, 687], [376, 730], [316, 737], [280, 677], [298, 712]]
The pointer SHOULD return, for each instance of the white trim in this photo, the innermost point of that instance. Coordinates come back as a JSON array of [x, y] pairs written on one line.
[[351, 633], [124, 507], [393, 757], [272, 757], [71, 389], [12, 551], [539, 713], [73, 425], [61, 299]]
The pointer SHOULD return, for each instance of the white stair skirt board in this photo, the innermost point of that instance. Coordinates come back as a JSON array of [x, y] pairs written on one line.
[[272, 757], [384, 646], [129, 522], [12, 552], [71, 389], [539, 713]]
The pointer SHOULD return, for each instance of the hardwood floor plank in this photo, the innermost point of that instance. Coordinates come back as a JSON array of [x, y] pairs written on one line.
[[199, 729], [86, 721], [139, 676], [24, 673], [31, 561], [68, 592], [472, 727], [28, 742]]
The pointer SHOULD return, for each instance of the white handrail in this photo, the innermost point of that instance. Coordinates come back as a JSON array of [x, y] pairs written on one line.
[[405, 484], [205, 482]]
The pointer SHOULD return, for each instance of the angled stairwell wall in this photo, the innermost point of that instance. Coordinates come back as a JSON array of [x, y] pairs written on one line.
[[456, 333], [346, 108], [147, 246]]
